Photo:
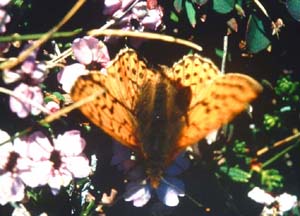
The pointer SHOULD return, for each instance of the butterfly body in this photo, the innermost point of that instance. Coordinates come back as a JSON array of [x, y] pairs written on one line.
[[158, 113], [160, 116]]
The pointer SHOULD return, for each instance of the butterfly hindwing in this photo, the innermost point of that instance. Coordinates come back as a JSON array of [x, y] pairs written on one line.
[[225, 98]]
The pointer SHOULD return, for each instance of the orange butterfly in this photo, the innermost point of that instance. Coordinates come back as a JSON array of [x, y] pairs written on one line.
[[158, 113]]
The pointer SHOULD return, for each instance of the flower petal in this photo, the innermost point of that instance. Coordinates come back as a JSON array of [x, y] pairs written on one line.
[[70, 143], [4, 2], [140, 194], [37, 175], [11, 188], [59, 178], [82, 49], [260, 196], [111, 6], [78, 166], [68, 76], [286, 201], [35, 146], [168, 193], [21, 108], [10, 76]]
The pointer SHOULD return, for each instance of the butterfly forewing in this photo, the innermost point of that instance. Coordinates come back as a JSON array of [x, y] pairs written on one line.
[[118, 92], [216, 98]]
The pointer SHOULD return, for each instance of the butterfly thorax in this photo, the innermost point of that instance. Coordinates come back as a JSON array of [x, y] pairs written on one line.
[[160, 115]]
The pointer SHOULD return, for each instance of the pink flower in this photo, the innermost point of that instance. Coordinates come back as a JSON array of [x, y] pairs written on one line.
[[53, 165], [138, 193], [68, 76], [30, 72], [52, 106], [147, 18], [4, 17], [91, 53], [89, 49], [21, 108], [111, 6], [4, 2], [11, 186], [144, 18]]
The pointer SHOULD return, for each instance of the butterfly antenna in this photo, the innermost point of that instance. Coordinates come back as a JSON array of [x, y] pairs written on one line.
[[196, 202]]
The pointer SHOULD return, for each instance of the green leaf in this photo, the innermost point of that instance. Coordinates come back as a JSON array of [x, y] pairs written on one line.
[[191, 13], [223, 6], [240, 147], [236, 174], [220, 53], [271, 121], [178, 5], [174, 17], [293, 7], [200, 2], [59, 96], [271, 179], [256, 35], [18, 3]]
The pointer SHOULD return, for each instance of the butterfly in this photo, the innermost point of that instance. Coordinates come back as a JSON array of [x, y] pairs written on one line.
[[159, 112]]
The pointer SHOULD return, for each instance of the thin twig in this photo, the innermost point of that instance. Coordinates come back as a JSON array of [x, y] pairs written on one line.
[[262, 8], [108, 24], [50, 118], [277, 144], [68, 52], [147, 35], [17, 37], [23, 55], [279, 155], [225, 50]]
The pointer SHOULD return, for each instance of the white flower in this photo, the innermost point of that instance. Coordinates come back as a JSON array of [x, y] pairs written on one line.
[[260, 196], [286, 201]]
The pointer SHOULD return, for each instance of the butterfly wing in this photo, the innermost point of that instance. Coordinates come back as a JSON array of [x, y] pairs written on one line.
[[216, 98], [116, 96]]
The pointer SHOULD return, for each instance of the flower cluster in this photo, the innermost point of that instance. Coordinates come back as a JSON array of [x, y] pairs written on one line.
[[140, 17], [146, 17], [273, 205], [35, 161], [28, 97]]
